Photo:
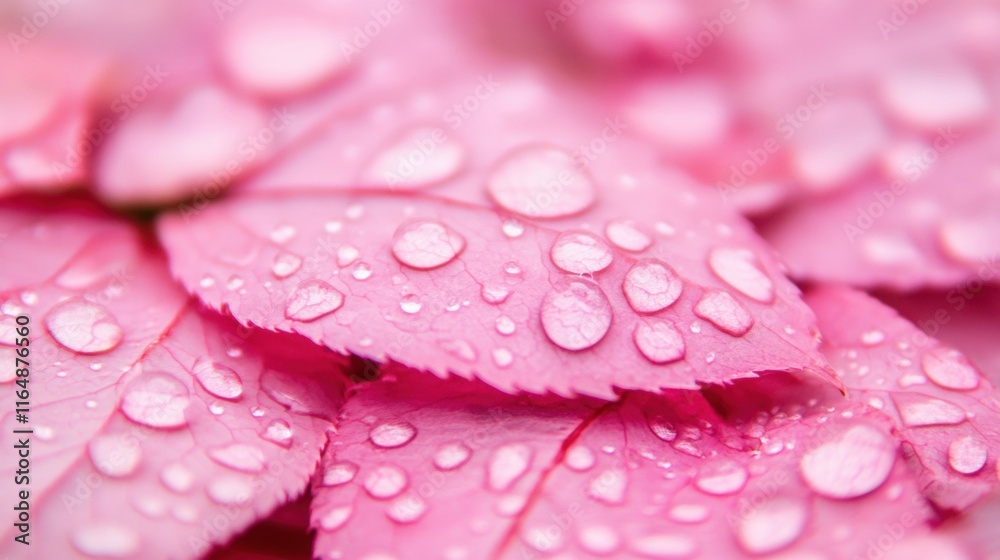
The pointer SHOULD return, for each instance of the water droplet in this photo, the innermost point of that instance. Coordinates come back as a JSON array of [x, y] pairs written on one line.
[[83, 326], [426, 244], [355, 212], [967, 455], [512, 268], [460, 349], [339, 473], [541, 182], [279, 432], [450, 456], [177, 478], [216, 408], [575, 314], [949, 369], [257, 412], [663, 546], [917, 410], [149, 506], [347, 254], [385, 481], [659, 341], [505, 325], [494, 294], [313, 299], [115, 455], [407, 509], [105, 540], [721, 478], [286, 264], [207, 282], [609, 487], [157, 400], [218, 379], [580, 253], [662, 428], [855, 462], [513, 229], [599, 539], [362, 271], [626, 236], [392, 434], [234, 283], [240, 456], [542, 539], [689, 513], [738, 268], [772, 526], [333, 226], [502, 357], [410, 304], [725, 312], [651, 286], [873, 337], [507, 464], [91, 404], [580, 458], [44, 433], [230, 490], [185, 513], [335, 518]]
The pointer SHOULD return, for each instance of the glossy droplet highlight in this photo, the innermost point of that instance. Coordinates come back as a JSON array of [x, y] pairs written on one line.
[[918, 410], [392, 434], [230, 490], [651, 286], [575, 314], [450, 456], [609, 487], [855, 462], [507, 464], [156, 399], [725, 312], [313, 299], [406, 509], [421, 157], [689, 513], [967, 455], [659, 341], [662, 429], [362, 271], [218, 379], [494, 294], [580, 458], [239, 456], [115, 455], [505, 325], [426, 244], [627, 236], [286, 264], [105, 540], [385, 481], [580, 253], [177, 478], [949, 369], [772, 526], [721, 478], [83, 326], [599, 539], [278, 432], [335, 518], [738, 268], [339, 473], [540, 182]]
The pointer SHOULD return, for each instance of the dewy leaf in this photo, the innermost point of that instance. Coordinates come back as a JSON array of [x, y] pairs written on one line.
[[159, 429], [942, 407], [427, 468], [446, 287]]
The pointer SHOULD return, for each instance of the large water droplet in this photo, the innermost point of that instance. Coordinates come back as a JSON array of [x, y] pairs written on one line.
[[725, 312], [580, 458], [313, 299], [177, 478], [115, 455], [541, 182], [392, 434], [855, 462], [335, 518], [286, 264], [721, 478], [450, 456], [626, 236], [385, 481], [609, 487], [659, 341], [157, 400], [738, 268], [278, 432], [421, 157], [575, 314], [918, 410], [240, 456], [105, 540], [662, 428], [426, 244], [949, 369], [580, 253], [651, 286], [507, 464], [772, 526], [218, 379], [407, 509], [663, 546], [967, 455], [339, 473], [83, 326], [599, 539]]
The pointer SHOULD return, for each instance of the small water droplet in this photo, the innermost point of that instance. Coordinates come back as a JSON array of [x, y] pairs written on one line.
[[450, 456], [689, 513], [609, 487], [580, 458], [663, 546], [772, 526], [230, 490], [83, 326], [426, 244], [354, 212], [494, 294], [207, 282], [410, 304], [313, 299], [333, 226], [502, 357], [105, 540], [721, 478], [627, 236], [659, 341], [257, 412], [513, 229], [286, 264], [177, 478], [44, 433], [579, 252], [543, 540], [90, 404], [949, 369], [512, 268], [362, 271], [599, 539], [385, 481], [967, 455], [873, 337], [216, 408], [738, 268], [855, 462], [282, 234], [115, 455], [508, 464], [505, 325], [725, 312], [347, 254], [575, 314], [541, 182], [407, 509], [651, 286], [156, 399], [460, 349], [339, 473], [392, 434], [335, 518], [234, 283], [218, 379], [279, 432], [240, 456]]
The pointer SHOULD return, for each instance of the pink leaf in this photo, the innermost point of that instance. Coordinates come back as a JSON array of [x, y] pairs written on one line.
[[446, 287], [425, 468], [157, 426], [942, 407]]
